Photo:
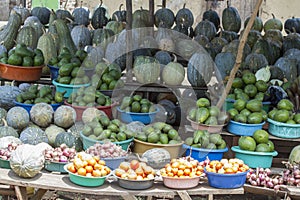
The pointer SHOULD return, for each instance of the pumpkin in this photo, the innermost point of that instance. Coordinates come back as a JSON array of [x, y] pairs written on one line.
[[77, 128], [225, 63], [27, 161], [101, 37], [183, 31], [64, 116], [47, 45], [140, 18], [42, 13], [202, 40], [273, 23], [3, 114], [163, 57], [288, 67], [164, 16], [173, 73], [291, 41], [33, 135], [184, 17], [229, 35], [213, 17], [115, 26], [114, 54], [17, 117], [164, 40], [257, 24], [255, 61], [28, 36], [146, 69], [52, 131], [42, 114], [81, 15], [187, 47], [90, 113], [200, 69], [218, 43], [24, 12], [7, 96], [264, 47], [231, 20], [293, 54], [64, 15], [69, 139], [81, 36], [206, 28], [232, 47], [292, 25], [156, 157], [99, 19], [294, 157], [6, 130], [253, 36], [119, 15], [273, 35], [36, 24]]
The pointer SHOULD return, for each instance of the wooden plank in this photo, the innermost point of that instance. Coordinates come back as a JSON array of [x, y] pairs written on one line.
[[263, 191], [38, 194], [129, 197], [7, 192], [21, 193], [184, 195]]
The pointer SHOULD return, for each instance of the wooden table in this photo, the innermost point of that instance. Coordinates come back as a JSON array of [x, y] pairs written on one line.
[[47, 181]]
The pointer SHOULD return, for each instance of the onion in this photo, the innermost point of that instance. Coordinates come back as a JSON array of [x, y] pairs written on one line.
[[270, 184], [252, 182], [276, 187], [66, 152], [261, 177], [268, 171], [63, 146], [258, 181], [291, 181], [275, 181], [296, 172], [63, 159], [253, 176]]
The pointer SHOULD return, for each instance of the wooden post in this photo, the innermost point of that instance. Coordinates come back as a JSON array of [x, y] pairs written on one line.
[[163, 3], [129, 55], [151, 16], [239, 56]]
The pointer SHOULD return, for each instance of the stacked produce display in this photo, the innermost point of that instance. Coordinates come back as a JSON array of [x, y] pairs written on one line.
[[77, 124]]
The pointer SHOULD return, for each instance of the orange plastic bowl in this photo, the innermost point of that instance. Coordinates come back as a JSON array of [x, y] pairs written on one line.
[[19, 73]]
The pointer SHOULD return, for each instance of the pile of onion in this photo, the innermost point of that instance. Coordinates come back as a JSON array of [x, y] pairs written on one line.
[[60, 154], [6, 152], [106, 150]]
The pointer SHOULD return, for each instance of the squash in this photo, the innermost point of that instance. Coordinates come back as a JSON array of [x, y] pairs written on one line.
[[202, 40], [255, 61], [6, 130], [218, 43], [187, 47], [291, 25], [231, 20], [24, 12], [52, 131], [164, 16], [264, 47], [81, 15], [119, 15], [90, 113], [17, 117], [232, 47], [183, 31], [101, 37], [99, 19], [115, 26], [81, 36], [294, 157], [47, 45], [206, 28], [33, 135], [225, 62], [288, 67], [173, 73], [257, 24], [42, 114], [3, 114], [164, 40], [213, 17], [7, 96], [156, 157], [42, 13], [27, 161], [114, 55], [28, 36], [163, 57], [146, 69], [64, 116], [229, 35], [184, 17], [35, 23], [200, 69], [140, 18], [253, 36], [273, 35], [64, 14], [69, 139], [291, 41], [9, 33], [273, 23]]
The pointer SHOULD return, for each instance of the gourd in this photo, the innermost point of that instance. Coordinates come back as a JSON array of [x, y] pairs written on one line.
[[274, 35], [173, 73], [253, 36], [101, 37], [257, 24], [6, 130], [294, 157], [164, 41], [33, 135], [9, 33], [64, 116], [3, 114], [69, 139], [206, 28], [24, 12], [27, 161], [288, 67], [184, 17], [146, 69], [47, 45], [264, 47], [52, 131], [99, 19], [229, 35], [187, 47], [291, 25], [42, 13], [163, 57], [224, 62], [273, 23], [28, 36], [202, 40], [140, 18], [218, 43], [156, 157], [165, 16], [34, 22], [213, 17], [81, 16], [90, 113], [81, 36], [7, 96], [42, 114], [232, 47], [17, 117], [200, 69], [119, 15], [291, 41], [231, 20], [115, 26], [255, 61], [183, 31]]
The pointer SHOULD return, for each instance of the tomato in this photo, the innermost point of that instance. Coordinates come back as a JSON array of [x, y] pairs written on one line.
[[118, 172], [89, 169], [134, 164], [139, 171], [81, 171], [218, 166], [96, 173], [91, 162], [125, 166]]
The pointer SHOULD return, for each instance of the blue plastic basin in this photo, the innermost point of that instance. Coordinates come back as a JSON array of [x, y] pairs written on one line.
[[145, 118], [283, 130], [243, 129], [113, 163], [68, 88], [201, 154]]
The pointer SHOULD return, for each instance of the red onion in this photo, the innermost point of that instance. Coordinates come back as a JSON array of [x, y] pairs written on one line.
[[275, 181], [276, 187], [63, 159], [253, 183], [261, 177], [270, 184], [66, 152], [268, 171]]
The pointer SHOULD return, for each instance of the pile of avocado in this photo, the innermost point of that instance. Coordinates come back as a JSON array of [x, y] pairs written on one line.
[[23, 56], [247, 88], [105, 129], [284, 113], [206, 140], [107, 76], [44, 94], [159, 133], [137, 104], [258, 142], [206, 114], [88, 96], [70, 70]]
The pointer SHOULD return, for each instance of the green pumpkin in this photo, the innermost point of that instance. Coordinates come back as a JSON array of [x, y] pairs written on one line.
[[22, 11], [146, 69], [33, 135], [274, 35], [42, 114], [186, 48], [64, 116], [291, 41], [225, 63], [99, 19], [229, 35], [273, 23], [81, 16], [264, 47], [213, 17], [115, 26], [253, 36], [64, 15], [292, 25], [233, 48], [173, 73], [119, 15], [231, 20], [255, 61], [140, 18], [81, 36], [17, 117], [3, 114], [69, 139], [183, 31], [164, 16], [184, 17], [42, 13], [202, 40], [6, 130], [206, 28], [257, 24], [288, 67], [51, 132], [101, 37], [218, 43]]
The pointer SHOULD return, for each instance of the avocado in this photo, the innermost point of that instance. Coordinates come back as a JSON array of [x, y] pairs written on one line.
[[249, 78], [237, 83], [285, 104], [281, 116], [255, 118], [135, 107], [203, 102], [242, 96], [153, 137], [261, 86], [254, 105], [211, 120], [250, 90], [245, 112], [27, 61], [240, 118], [239, 104], [15, 59], [202, 114]]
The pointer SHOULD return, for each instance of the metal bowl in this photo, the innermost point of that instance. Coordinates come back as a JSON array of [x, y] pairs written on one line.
[[134, 184]]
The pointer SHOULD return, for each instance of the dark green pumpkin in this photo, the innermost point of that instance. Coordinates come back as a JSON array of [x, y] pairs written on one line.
[[264, 47], [218, 43], [213, 17], [211, 50], [163, 57], [115, 26], [28, 36], [229, 35], [102, 37], [257, 24], [140, 18], [6, 130], [231, 20], [81, 16], [187, 47], [233, 48], [81, 36], [255, 61], [99, 19], [64, 14], [42, 13], [200, 69], [253, 36], [165, 16], [291, 41], [202, 40], [183, 31], [224, 63], [146, 69], [206, 28], [69, 139], [119, 15], [274, 35], [273, 23], [24, 12], [276, 49], [185, 17], [291, 25], [288, 67]]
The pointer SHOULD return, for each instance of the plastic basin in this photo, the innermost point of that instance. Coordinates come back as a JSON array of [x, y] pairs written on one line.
[[226, 181], [181, 183], [29, 106], [68, 88], [243, 129], [229, 104], [201, 154], [113, 163], [145, 118], [204, 127], [55, 166], [283, 130], [4, 164], [254, 159], [53, 72], [87, 142]]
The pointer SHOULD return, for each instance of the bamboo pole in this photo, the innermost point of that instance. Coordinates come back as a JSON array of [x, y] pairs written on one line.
[[239, 56]]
